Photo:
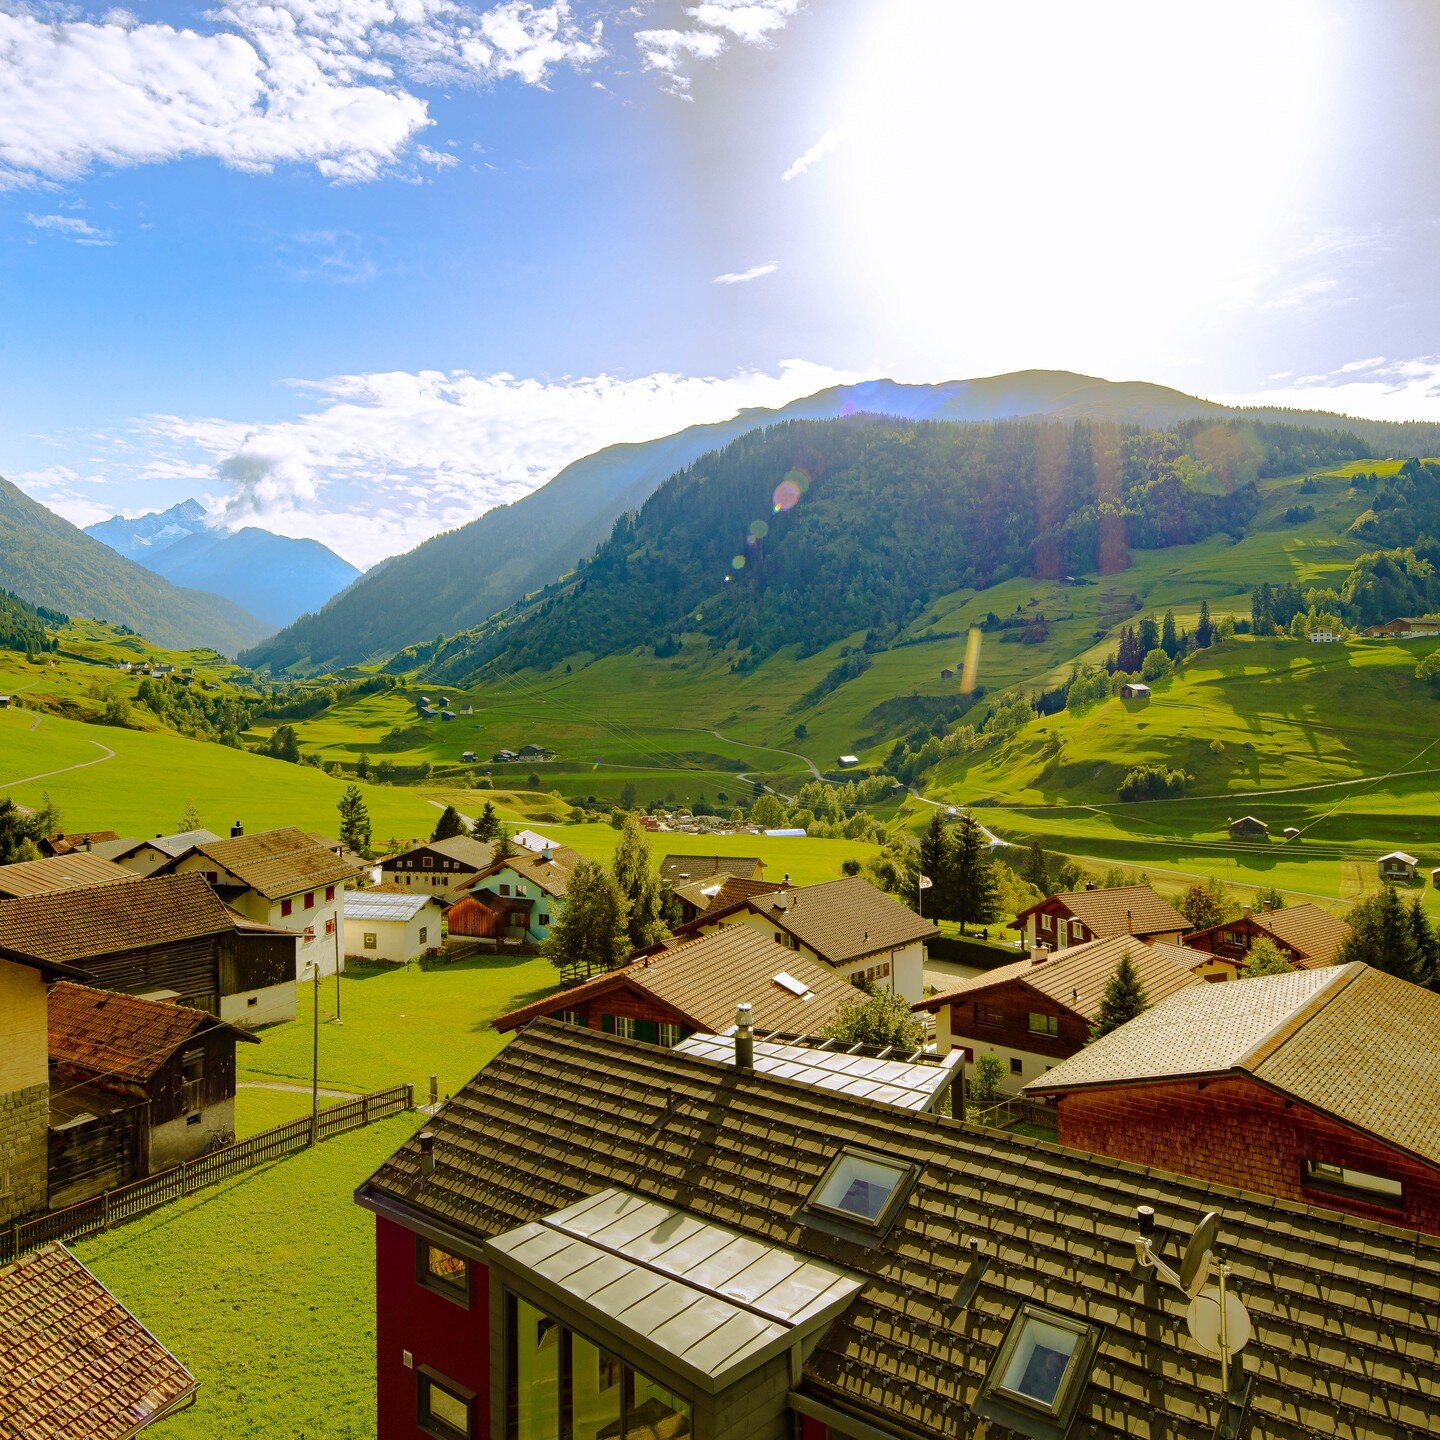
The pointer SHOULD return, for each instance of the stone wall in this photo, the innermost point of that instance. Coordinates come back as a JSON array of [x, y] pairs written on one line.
[[24, 1117]]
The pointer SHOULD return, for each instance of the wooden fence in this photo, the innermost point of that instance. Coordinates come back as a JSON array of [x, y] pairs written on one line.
[[114, 1207]]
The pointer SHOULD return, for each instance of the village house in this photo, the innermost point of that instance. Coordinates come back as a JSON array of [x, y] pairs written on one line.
[[384, 923], [1037, 1012], [863, 933], [75, 1364], [677, 870], [1134, 690], [24, 1080], [145, 857], [76, 871], [517, 899], [719, 891], [597, 1237], [534, 841], [442, 868], [62, 843], [1319, 1087], [1404, 628], [286, 879], [1093, 913], [1305, 934], [136, 1086], [1247, 827], [165, 937], [1396, 868], [695, 987]]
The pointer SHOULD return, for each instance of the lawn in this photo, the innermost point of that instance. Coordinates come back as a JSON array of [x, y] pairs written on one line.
[[400, 1024], [264, 1286]]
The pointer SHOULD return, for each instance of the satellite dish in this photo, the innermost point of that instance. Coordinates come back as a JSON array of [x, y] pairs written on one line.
[[1195, 1262], [1203, 1318]]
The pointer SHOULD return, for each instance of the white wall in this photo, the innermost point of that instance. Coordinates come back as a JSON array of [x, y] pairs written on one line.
[[395, 940], [271, 1005]]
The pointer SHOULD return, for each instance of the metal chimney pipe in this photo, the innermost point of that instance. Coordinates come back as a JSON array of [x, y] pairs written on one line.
[[744, 1039], [427, 1154]]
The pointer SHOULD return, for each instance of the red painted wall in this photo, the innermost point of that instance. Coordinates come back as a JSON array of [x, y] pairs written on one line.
[[1236, 1132], [436, 1331], [1015, 1000]]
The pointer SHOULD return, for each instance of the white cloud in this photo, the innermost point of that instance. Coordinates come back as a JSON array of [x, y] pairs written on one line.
[[440, 159], [318, 82], [817, 152], [57, 487], [752, 22], [71, 227], [1376, 388], [741, 277], [669, 51], [382, 461], [334, 255]]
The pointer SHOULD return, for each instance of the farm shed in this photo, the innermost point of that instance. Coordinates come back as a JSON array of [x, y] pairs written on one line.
[[1398, 866], [388, 925], [1134, 690]]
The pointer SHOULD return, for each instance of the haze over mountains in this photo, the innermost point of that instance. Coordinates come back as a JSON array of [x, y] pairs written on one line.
[[457, 580], [274, 577]]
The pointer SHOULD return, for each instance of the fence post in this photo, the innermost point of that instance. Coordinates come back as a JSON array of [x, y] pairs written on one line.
[[105, 1210], [184, 1179], [365, 1109], [409, 1097]]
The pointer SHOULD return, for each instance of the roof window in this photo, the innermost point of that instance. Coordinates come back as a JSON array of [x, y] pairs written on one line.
[[860, 1192], [1039, 1373]]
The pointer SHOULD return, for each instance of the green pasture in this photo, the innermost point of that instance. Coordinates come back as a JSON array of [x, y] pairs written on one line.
[[264, 1287]]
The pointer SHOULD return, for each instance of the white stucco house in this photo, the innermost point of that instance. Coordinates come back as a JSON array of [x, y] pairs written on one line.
[[388, 925]]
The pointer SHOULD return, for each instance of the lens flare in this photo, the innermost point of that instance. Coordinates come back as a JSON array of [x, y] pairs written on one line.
[[972, 661], [787, 496], [737, 562], [759, 529]]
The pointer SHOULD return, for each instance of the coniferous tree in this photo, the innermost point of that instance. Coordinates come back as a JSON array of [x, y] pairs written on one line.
[[1169, 636], [354, 821], [639, 885], [1204, 630], [504, 845], [937, 865], [1384, 935], [1427, 944], [1148, 636], [190, 818], [589, 933], [487, 823], [1036, 868], [976, 890], [1124, 998], [450, 824]]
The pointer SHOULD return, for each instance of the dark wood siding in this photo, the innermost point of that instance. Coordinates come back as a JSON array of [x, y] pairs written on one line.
[[191, 967], [98, 1154], [1015, 1002], [251, 961]]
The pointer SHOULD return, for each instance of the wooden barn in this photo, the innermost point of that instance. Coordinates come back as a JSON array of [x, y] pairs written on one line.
[[135, 1086]]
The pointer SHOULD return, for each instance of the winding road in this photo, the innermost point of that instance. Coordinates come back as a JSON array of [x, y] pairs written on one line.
[[46, 774]]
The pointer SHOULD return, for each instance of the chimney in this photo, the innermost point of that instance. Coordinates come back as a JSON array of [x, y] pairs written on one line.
[[744, 1039], [786, 880], [545, 854], [236, 830], [1266, 906], [1246, 911], [1038, 953], [427, 1154], [1129, 923], [1089, 884]]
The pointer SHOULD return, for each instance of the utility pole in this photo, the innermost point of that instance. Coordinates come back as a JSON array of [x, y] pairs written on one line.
[[338, 911], [315, 1059]]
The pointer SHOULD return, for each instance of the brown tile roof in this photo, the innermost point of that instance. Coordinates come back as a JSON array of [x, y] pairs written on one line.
[[121, 1037], [1351, 1041], [840, 920], [716, 893], [65, 844], [1316, 933], [59, 872], [677, 869], [1119, 910], [1076, 976], [274, 863], [75, 1364], [73, 925], [703, 980], [552, 875], [1344, 1344], [473, 854]]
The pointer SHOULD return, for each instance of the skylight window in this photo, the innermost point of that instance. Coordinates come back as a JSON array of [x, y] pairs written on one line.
[[1039, 1373], [861, 1191], [786, 981]]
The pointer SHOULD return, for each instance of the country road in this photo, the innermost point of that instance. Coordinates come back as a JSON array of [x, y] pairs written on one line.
[[773, 749], [64, 769]]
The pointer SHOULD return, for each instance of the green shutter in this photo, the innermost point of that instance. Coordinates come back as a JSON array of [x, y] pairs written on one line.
[[607, 1024], [647, 1030]]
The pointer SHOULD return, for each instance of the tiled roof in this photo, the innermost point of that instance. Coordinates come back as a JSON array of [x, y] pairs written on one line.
[[1345, 1343], [1351, 1041], [1316, 933], [704, 980], [73, 925], [74, 1363], [173, 845], [840, 920], [1119, 910], [552, 875], [1076, 977], [59, 872], [121, 1037], [677, 869], [719, 892], [471, 853], [274, 863], [63, 844]]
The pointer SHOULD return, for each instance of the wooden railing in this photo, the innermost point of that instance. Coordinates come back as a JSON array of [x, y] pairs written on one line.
[[1017, 1110], [126, 1202]]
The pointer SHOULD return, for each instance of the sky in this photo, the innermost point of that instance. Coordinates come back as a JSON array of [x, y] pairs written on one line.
[[361, 269]]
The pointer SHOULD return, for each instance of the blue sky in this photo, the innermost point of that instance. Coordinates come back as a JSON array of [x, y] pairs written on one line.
[[361, 268]]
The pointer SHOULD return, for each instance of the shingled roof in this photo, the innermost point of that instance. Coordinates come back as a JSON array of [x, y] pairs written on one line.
[[1117, 910], [1315, 933], [75, 1364], [121, 1037], [273, 863], [840, 920], [552, 875], [1076, 976], [71, 925], [1318, 1036], [59, 872], [703, 980], [470, 853], [677, 869], [1344, 1343]]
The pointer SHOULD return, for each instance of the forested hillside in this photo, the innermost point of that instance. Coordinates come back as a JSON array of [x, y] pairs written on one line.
[[49, 562], [24, 626], [810, 531]]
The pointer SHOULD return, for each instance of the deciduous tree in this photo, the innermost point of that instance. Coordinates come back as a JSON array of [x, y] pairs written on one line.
[[589, 933], [878, 1017], [1266, 958]]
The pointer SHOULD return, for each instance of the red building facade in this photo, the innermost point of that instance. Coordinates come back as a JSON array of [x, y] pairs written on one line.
[[1238, 1132]]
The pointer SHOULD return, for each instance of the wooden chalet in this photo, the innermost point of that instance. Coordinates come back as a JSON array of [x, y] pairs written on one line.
[[166, 937], [1305, 934], [145, 857], [1396, 868], [1094, 913], [718, 892], [135, 1086], [602, 1238], [1247, 827], [1037, 1012], [75, 1364], [695, 987], [516, 899], [442, 868]]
